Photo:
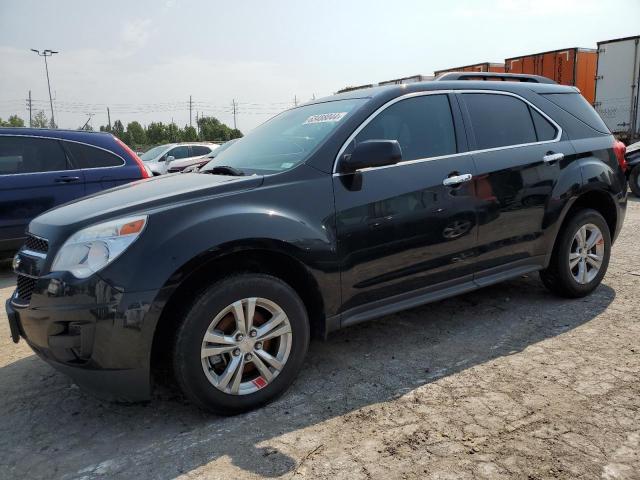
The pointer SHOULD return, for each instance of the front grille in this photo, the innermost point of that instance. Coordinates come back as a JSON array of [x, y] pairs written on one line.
[[25, 288], [36, 244]]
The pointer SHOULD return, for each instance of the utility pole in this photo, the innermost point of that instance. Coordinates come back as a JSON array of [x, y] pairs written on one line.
[[295, 100], [87, 122], [45, 54], [108, 119], [190, 108], [198, 123], [234, 114], [30, 107]]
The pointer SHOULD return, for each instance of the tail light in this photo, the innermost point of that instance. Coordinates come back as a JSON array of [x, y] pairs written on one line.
[[143, 169], [620, 149]]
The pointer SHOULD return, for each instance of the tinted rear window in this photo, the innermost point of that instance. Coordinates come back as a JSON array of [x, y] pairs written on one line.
[[86, 156], [197, 150], [576, 105], [30, 155], [499, 120]]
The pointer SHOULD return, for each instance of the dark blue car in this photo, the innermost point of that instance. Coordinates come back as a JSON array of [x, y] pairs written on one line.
[[41, 169]]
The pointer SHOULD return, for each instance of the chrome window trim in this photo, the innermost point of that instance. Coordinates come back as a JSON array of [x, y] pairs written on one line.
[[428, 159], [124, 162]]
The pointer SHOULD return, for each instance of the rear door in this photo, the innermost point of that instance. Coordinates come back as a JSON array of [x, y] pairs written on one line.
[[102, 168], [518, 157], [35, 175], [400, 229], [181, 155], [196, 152]]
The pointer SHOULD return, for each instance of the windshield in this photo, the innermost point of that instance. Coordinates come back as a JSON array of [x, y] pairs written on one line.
[[222, 148], [286, 140], [153, 153]]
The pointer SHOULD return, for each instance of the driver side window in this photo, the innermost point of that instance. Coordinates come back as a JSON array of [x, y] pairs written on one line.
[[423, 126]]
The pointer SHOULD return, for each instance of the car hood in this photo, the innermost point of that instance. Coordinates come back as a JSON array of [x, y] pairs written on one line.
[[143, 196]]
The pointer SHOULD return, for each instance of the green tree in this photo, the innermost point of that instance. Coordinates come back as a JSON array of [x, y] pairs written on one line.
[[136, 133], [235, 133], [156, 133], [189, 134], [14, 121], [174, 134], [118, 129], [40, 120], [213, 130]]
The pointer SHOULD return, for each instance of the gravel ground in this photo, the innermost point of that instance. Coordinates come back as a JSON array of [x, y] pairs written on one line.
[[505, 382]]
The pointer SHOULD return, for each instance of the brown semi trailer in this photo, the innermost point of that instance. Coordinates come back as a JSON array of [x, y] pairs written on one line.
[[570, 66], [477, 67]]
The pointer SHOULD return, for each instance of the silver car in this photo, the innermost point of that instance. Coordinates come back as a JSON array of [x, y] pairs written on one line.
[[175, 157]]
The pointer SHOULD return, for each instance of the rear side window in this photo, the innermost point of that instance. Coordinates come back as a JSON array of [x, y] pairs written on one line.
[[422, 125], [544, 129], [499, 120], [576, 105], [86, 156], [198, 150], [179, 152], [31, 155]]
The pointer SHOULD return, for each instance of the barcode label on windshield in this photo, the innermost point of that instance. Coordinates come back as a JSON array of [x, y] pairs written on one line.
[[325, 117]]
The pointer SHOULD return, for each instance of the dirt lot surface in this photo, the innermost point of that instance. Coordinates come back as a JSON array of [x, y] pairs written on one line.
[[505, 382]]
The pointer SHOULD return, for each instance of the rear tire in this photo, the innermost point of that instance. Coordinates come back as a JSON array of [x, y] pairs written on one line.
[[220, 364], [572, 271], [634, 180]]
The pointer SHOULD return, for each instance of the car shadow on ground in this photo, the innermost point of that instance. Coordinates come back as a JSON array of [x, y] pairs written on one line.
[[61, 432]]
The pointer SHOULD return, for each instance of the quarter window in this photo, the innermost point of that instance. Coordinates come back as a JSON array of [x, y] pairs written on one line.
[[544, 130], [30, 155], [422, 125], [499, 120], [199, 150], [86, 156]]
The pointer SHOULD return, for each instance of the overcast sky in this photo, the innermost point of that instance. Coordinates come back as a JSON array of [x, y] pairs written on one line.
[[144, 58]]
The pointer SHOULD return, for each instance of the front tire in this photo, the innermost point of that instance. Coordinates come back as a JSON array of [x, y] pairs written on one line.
[[580, 257], [634, 180], [241, 344]]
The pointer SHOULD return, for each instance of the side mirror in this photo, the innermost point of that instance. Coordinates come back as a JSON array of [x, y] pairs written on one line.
[[371, 153], [170, 158]]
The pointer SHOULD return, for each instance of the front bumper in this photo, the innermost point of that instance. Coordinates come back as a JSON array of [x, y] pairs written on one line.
[[96, 334]]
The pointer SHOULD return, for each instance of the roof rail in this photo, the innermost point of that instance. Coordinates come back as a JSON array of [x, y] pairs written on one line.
[[505, 77]]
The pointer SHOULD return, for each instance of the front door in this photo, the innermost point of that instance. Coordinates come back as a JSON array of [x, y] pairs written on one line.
[[400, 228]]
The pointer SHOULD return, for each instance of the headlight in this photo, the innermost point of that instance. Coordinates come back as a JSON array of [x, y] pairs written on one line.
[[92, 248]]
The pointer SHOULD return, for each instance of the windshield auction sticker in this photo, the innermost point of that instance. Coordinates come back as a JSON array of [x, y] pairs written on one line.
[[325, 118]]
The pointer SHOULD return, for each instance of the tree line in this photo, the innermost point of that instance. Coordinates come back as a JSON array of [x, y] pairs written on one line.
[[137, 136]]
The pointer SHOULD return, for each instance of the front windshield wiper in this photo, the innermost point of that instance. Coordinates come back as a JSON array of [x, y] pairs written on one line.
[[224, 170]]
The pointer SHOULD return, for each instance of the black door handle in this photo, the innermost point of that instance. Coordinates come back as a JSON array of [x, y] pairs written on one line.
[[67, 179]]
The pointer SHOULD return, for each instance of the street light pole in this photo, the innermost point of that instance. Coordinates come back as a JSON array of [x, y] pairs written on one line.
[[45, 54]]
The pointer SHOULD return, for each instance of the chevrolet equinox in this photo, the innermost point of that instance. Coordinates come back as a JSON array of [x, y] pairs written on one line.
[[338, 211]]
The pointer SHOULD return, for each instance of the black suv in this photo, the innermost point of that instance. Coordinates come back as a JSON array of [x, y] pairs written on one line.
[[332, 213]]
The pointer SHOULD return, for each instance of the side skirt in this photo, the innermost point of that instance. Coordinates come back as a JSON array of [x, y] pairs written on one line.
[[433, 293]]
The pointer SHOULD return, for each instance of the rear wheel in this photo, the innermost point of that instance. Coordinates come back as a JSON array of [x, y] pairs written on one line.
[[580, 257], [241, 344], [634, 180]]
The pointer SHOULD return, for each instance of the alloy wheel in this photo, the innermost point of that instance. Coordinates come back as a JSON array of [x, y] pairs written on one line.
[[586, 253], [246, 346]]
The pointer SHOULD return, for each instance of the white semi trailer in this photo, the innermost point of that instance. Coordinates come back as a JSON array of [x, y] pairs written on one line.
[[617, 85]]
